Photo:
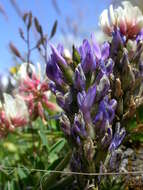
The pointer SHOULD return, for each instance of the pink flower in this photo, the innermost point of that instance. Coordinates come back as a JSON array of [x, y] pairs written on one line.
[[35, 91]]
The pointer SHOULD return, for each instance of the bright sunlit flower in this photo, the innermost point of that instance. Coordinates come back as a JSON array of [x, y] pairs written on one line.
[[128, 19], [16, 110], [13, 113]]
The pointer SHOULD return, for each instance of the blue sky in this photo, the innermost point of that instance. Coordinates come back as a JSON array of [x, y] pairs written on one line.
[[83, 13]]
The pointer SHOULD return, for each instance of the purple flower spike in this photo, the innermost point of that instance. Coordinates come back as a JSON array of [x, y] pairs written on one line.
[[98, 120], [78, 130], [79, 80], [105, 50], [85, 101], [53, 72], [140, 36], [87, 56], [117, 42], [103, 86], [81, 97], [105, 116], [79, 126], [88, 63], [107, 137], [108, 108], [52, 87], [90, 97], [57, 56], [109, 66], [118, 137], [113, 104]]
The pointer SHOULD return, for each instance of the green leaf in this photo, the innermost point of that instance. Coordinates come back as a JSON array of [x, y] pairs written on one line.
[[132, 126], [137, 137], [50, 179], [57, 147], [43, 138], [54, 164], [76, 56], [22, 174], [39, 124], [52, 124], [140, 113]]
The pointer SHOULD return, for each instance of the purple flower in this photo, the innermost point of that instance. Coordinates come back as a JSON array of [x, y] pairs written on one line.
[[79, 123], [106, 140], [88, 60], [57, 55], [103, 87], [52, 87], [53, 72], [118, 137], [86, 100], [79, 79], [140, 36], [64, 101], [78, 130], [105, 116], [108, 108], [92, 54], [109, 64], [117, 42], [101, 53], [105, 50]]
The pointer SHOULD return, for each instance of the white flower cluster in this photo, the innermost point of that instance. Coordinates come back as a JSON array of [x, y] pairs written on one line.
[[128, 19]]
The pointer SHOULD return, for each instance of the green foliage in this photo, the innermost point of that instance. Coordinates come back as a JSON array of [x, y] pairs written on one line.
[[135, 126], [28, 153], [112, 183]]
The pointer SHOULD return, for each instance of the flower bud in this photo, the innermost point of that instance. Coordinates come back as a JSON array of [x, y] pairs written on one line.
[[79, 79]]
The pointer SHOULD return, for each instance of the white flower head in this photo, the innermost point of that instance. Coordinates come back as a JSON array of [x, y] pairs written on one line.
[[15, 107], [127, 18], [35, 70], [22, 72]]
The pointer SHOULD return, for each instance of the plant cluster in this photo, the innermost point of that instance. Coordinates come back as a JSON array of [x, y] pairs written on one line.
[[99, 92]]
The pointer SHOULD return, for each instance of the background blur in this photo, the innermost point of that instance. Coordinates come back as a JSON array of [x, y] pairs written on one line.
[[76, 20]]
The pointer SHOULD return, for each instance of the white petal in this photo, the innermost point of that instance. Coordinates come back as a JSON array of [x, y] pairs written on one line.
[[67, 54], [48, 94], [104, 22], [9, 105], [22, 72], [39, 71], [15, 107], [112, 15], [21, 107]]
